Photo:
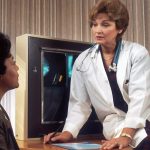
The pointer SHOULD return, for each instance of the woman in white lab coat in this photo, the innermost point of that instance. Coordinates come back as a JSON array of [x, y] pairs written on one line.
[[114, 77]]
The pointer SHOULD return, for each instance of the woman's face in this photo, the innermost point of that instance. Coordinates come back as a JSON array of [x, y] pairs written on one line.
[[104, 30], [9, 80]]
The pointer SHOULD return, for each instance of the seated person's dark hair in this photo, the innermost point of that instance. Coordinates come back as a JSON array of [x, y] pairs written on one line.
[[5, 45]]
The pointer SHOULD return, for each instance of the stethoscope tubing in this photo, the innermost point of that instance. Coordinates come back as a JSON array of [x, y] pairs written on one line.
[[113, 66]]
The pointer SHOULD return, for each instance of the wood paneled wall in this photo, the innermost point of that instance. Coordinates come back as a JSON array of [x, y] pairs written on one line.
[[67, 19]]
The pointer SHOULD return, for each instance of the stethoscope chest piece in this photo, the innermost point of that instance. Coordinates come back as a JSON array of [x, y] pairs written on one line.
[[112, 67]]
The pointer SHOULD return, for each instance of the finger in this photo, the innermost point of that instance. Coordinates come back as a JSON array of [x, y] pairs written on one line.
[[103, 141], [47, 138], [57, 134], [110, 145], [120, 146], [56, 138], [103, 145]]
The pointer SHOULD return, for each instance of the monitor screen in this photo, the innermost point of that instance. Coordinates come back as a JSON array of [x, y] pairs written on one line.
[[56, 71]]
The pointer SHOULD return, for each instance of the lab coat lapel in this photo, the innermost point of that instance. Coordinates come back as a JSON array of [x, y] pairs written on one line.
[[98, 65], [122, 67], [103, 82]]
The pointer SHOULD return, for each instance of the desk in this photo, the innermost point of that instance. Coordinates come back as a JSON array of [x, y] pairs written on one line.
[[38, 144]]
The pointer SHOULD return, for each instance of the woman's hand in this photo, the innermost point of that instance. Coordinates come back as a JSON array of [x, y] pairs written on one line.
[[119, 143], [59, 137]]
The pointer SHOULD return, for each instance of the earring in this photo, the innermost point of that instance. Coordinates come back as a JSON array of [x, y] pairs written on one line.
[[120, 31]]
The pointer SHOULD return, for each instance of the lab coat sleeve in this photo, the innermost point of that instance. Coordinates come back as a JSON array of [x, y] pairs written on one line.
[[79, 102], [139, 89]]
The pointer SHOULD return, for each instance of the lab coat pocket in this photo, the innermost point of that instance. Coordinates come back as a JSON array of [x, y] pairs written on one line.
[[126, 86]]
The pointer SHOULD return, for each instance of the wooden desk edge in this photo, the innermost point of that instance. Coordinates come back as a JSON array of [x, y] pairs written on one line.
[[38, 143]]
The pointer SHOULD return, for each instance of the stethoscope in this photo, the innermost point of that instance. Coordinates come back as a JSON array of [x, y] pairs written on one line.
[[79, 68], [112, 67]]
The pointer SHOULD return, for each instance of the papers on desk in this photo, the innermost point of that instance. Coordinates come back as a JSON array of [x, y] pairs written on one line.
[[78, 146]]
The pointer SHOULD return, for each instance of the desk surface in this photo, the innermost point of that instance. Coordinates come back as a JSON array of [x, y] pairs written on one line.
[[38, 144]]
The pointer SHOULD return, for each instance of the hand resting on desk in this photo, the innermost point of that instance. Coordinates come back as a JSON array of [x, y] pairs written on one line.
[[58, 137], [114, 144]]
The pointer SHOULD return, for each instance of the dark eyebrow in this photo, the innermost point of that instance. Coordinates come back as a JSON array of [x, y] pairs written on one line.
[[106, 20]]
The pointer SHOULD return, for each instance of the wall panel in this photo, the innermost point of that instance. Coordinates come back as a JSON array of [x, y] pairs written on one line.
[[67, 19]]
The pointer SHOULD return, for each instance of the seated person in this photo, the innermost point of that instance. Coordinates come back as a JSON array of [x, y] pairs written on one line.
[[8, 81]]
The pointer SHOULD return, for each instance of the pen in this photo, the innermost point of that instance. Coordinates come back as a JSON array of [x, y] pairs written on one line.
[[54, 133]]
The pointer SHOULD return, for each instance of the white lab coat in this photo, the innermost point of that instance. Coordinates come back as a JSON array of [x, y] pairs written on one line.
[[90, 85]]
